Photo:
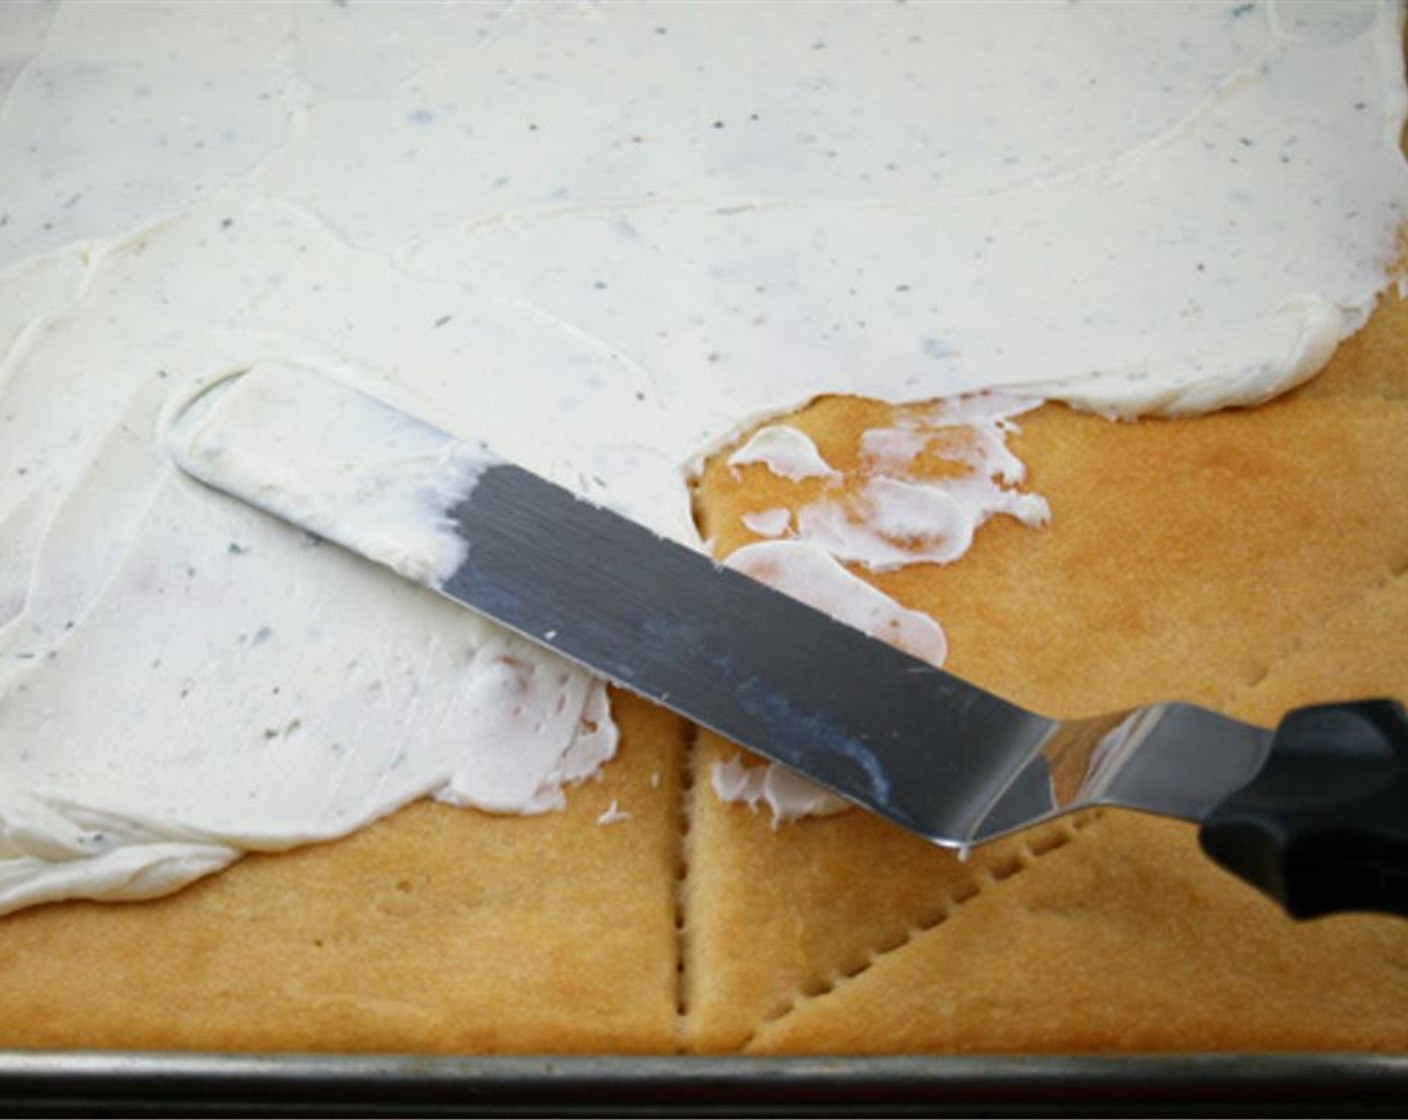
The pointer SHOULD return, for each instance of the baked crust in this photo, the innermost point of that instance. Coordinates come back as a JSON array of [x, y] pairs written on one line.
[[1251, 560]]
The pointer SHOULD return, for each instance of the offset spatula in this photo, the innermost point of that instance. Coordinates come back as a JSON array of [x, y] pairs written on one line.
[[1314, 814]]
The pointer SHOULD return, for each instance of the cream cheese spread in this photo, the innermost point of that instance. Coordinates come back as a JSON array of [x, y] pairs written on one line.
[[602, 239], [336, 461], [899, 518], [785, 451], [768, 522]]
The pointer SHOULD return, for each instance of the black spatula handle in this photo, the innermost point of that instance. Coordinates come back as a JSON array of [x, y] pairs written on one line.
[[1324, 826]]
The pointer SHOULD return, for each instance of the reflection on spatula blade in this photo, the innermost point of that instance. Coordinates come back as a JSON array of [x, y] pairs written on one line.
[[884, 730]]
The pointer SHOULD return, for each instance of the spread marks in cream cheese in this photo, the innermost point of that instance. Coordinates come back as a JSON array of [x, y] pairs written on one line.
[[788, 795], [898, 518], [807, 573], [785, 451], [768, 522]]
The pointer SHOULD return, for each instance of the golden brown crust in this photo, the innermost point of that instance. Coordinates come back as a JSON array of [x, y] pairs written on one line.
[[1124, 939], [1252, 560], [436, 930], [1372, 364]]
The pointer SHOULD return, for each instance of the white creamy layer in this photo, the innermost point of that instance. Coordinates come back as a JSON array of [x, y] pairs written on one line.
[[768, 522], [601, 239], [899, 517], [333, 460], [786, 452]]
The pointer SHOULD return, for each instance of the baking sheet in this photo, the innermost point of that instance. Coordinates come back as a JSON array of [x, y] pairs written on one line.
[[111, 1083]]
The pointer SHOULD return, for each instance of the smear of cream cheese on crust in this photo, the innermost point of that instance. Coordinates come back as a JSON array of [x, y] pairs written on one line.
[[897, 517], [924, 520], [785, 451], [602, 239], [813, 576], [768, 522]]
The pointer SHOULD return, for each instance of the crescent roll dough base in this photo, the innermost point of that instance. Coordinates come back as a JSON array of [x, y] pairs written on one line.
[[437, 929], [1250, 560]]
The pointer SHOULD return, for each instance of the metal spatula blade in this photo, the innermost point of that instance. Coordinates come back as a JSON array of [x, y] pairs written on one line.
[[907, 740], [893, 734]]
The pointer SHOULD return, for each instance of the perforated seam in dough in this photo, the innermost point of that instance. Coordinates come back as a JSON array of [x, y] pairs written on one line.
[[1026, 855], [1394, 574], [699, 514], [685, 813]]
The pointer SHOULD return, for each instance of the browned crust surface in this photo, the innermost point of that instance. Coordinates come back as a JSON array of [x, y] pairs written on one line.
[[1252, 560], [438, 929]]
